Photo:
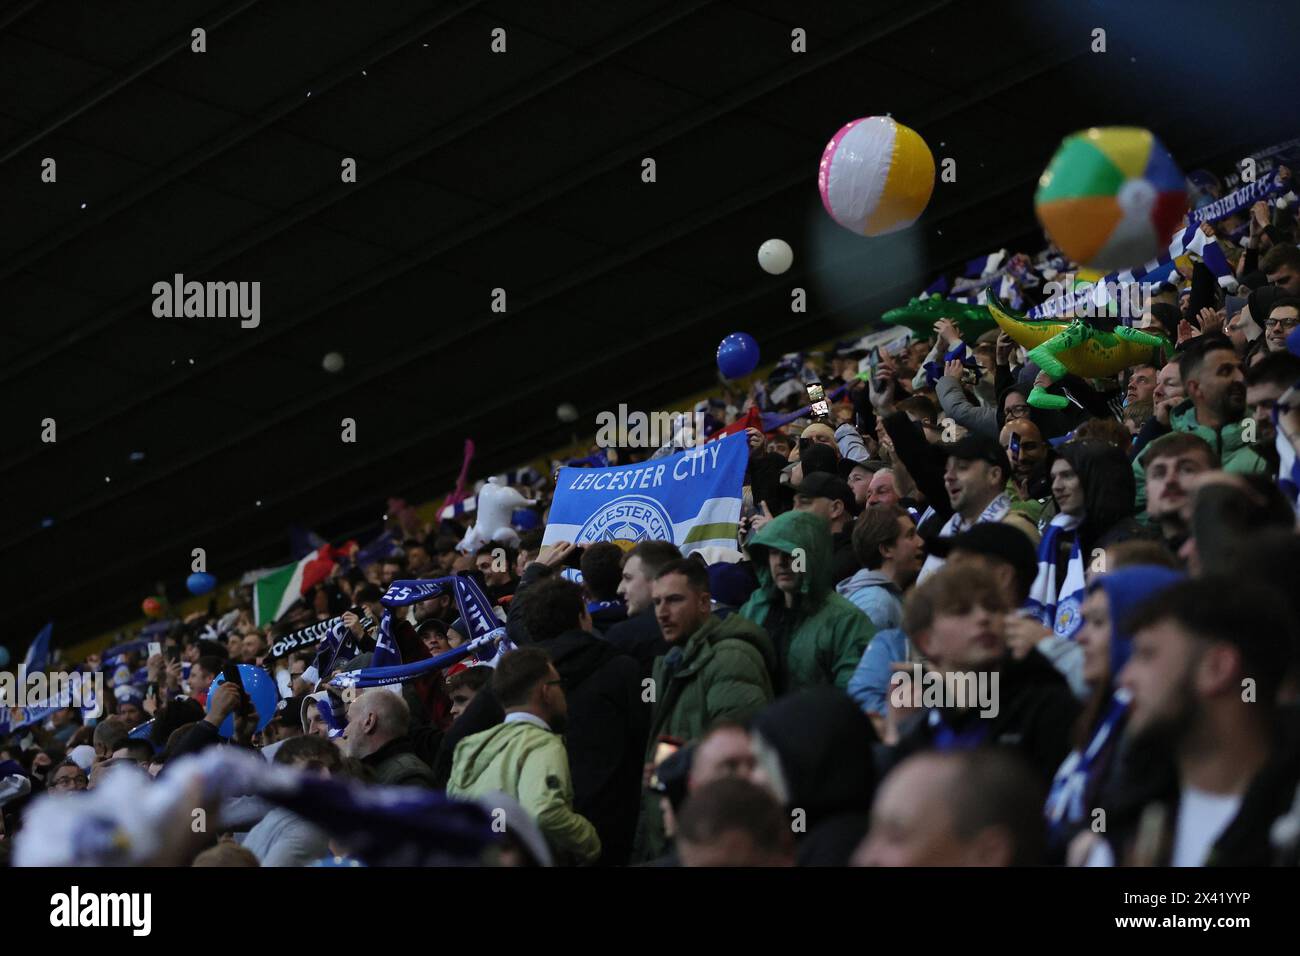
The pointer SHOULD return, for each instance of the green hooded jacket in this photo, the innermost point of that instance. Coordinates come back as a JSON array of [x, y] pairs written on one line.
[[1235, 455], [824, 635], [531, 765]]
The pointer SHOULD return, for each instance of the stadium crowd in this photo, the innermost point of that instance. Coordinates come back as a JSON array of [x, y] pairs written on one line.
[[955, 629]]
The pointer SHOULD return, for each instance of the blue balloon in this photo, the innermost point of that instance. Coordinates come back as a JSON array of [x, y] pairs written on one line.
[[4, 656], [260, 687], [200, 582], [737, 355]]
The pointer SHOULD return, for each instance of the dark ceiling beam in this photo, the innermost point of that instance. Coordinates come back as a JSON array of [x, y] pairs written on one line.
[[155, 59], [18, 11], [286, 104]]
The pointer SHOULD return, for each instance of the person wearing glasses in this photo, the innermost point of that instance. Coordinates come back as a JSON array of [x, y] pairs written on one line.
[[68, 776], [1283, 319], [524, 756]]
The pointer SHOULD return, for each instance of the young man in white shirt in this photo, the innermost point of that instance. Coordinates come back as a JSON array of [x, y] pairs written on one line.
[[1208, 658]]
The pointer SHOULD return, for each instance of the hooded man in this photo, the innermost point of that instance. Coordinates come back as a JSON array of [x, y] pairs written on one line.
[[818, 634], [813, 751]]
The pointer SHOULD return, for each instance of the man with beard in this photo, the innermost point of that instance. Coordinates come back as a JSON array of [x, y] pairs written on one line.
[[1170, 464], [1031, 483], [1207, 659], [1216, 389], [524, 757]]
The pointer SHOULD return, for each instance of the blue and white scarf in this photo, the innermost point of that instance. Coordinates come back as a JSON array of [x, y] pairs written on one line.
[[1288, 475], [1238, 200], [1061, 611], [1074, 779], [488, 639], [997, 509]]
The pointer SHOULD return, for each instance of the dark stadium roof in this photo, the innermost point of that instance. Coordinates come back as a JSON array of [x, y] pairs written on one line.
[[476, 170]]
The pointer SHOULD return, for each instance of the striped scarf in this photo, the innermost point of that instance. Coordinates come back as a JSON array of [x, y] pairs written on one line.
[[997, 509], [1075, 778], [1059, 610]]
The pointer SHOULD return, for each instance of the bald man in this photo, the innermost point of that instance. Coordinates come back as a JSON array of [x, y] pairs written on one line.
[[378, 723], [821, 435]]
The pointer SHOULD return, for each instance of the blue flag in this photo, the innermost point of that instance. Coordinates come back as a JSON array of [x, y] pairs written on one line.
[[38, 655], [691, 498]]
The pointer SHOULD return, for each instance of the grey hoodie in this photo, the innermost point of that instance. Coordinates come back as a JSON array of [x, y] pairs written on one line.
[[876, 595]]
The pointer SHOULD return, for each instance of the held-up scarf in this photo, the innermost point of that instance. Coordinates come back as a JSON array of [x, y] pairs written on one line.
[[488, 639], [997, 509], [1059, 610], [1074, 779]]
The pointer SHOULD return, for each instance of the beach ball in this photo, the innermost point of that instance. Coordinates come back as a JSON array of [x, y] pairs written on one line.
[[876, 176], [200, 582], [775, 256], [737, 355], [152, 607], [1111, 198]]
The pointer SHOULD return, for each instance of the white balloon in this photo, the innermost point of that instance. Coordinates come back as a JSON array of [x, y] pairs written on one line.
[[775, 256], [333, 362], [566, 412]]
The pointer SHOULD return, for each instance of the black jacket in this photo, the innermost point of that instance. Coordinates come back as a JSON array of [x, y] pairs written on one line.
[[1148, 776], [1036, 715], [825, 745], [606, 617], [763, 475], [844, 560], [606, 736], [639, 636]]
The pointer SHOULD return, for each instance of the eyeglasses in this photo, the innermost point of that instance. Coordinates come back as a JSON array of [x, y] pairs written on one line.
[[1288, 324], [1018, 411], [70, 783]]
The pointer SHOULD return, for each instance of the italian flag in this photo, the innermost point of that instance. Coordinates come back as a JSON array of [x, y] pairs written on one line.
[[275, 593]]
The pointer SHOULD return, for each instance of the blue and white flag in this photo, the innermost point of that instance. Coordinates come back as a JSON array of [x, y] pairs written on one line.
[[38, 655], [691, 498]]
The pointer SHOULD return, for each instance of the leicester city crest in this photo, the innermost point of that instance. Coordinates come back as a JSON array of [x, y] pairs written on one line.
[[627, 521], [1068, 617]]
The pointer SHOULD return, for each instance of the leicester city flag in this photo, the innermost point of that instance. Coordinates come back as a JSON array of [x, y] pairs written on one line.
[[691, 498]]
